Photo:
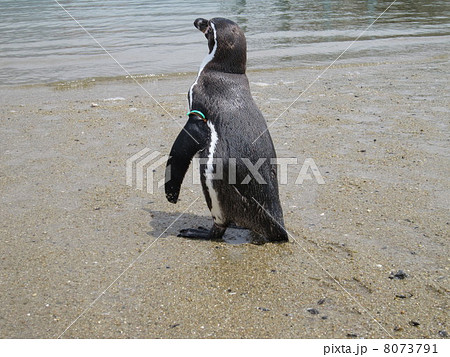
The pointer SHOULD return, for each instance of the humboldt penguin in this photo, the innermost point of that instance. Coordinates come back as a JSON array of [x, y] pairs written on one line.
[[225, 128]]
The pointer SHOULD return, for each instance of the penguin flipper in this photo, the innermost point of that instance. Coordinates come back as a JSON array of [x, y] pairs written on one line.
[[191, 140]]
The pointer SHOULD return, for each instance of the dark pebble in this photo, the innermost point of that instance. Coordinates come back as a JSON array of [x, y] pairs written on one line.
[[174, 325], [324, 317], [414, 323], [263, 309], [398, 328], [352, 335], [443, 333], [398, 275], [403, 296], [321, 301], [313, 311]]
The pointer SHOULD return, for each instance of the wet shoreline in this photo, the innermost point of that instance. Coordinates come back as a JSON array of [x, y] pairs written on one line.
[[43, 43], [70, 225]]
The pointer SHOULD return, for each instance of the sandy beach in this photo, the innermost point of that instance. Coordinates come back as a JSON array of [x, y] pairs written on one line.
[[83, 255]]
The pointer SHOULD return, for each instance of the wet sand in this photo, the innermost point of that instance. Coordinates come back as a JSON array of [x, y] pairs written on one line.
[[70, 226]]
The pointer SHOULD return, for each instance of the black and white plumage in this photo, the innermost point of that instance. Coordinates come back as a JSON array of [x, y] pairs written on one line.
[[221, 94]]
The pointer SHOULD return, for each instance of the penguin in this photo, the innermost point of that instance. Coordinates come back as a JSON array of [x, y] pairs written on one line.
[[223, 122]]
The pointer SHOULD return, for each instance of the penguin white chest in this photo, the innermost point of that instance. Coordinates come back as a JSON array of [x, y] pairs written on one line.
[[216, 211]]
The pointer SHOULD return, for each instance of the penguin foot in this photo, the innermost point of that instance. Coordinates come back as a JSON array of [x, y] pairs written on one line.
[[215, 233], [199, 233], [235, 226]]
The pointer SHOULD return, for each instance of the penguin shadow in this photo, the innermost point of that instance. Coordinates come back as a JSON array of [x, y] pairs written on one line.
[[169, 224]]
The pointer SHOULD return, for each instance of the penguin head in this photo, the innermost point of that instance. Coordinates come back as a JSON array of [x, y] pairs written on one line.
[[226, 42]]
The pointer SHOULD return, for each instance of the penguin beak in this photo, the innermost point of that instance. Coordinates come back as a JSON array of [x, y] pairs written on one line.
[[202, 25]]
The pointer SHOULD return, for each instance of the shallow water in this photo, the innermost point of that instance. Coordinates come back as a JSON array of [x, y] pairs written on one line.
[[40, 42]]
